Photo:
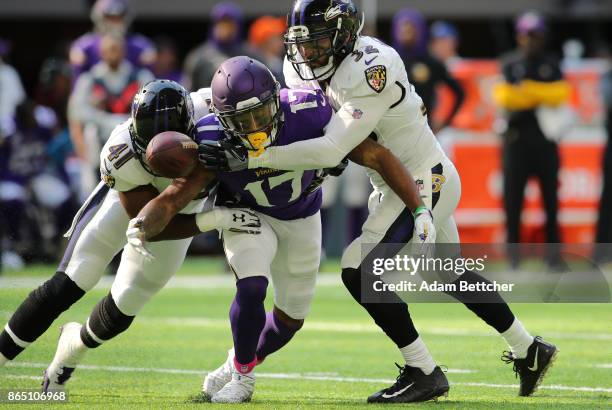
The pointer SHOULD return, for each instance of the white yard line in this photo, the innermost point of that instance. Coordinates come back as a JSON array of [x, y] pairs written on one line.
[[347, 327], [22, 376], [357, 327], [297, 376], [177, 282], [604, 366]]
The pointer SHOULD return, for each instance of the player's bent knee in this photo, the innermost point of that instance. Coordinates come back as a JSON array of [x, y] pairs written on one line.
[[284, 318], [105, 322], [56, 295], [251, 290]]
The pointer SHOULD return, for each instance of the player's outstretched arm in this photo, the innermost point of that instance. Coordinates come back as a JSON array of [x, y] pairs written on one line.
[[372, 155], [348, 127], [159, 211], [181, 226], [159, 220]]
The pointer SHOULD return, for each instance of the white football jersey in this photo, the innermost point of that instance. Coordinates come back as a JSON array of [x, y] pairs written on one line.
[[372, 68]]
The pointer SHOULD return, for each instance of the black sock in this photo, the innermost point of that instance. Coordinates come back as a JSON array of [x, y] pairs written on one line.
[[392, 316], [489, 306], [36, 313], [105, 322]]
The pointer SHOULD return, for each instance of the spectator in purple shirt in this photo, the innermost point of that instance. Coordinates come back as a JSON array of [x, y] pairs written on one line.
[[110, 17]]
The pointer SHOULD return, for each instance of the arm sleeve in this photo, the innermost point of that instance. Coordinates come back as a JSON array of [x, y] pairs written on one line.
[[342, 134]]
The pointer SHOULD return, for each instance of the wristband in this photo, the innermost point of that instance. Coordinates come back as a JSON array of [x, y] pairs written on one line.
[[419, 210]]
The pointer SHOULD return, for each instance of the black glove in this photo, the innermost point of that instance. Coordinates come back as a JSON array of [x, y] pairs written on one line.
[[338, 169], [223, 155], [321, 174]]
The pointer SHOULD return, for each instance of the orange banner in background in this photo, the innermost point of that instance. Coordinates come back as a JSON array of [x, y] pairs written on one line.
[[477, 77], [480, 214]]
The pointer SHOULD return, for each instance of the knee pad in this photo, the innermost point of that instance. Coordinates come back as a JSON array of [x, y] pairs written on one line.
[[251, 290], [43, 305], [105, 322]]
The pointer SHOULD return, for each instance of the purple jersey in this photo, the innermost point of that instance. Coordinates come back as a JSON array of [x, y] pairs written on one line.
[[280, 194], [85, 52]]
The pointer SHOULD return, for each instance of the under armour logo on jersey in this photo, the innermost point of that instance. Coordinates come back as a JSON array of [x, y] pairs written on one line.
[[239, 217]]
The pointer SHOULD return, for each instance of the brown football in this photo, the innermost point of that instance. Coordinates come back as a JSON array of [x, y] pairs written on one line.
[[171, 154]]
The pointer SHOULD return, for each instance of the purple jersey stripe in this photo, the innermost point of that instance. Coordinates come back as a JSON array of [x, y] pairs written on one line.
[[86, 216]]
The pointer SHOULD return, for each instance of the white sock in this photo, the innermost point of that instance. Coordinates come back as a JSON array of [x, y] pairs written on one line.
[[416, 354], [518, 338], [3, 360], [77, 351]]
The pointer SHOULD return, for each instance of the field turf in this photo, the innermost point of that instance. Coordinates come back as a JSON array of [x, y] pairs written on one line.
[[336, 361]]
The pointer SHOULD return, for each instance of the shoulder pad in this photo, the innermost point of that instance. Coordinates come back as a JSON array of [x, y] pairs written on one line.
[[201, 102], [208, 129], [369, 68], [120, 169]]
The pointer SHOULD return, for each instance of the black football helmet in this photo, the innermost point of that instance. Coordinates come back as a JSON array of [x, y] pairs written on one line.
[[160, 105], [320, 34]]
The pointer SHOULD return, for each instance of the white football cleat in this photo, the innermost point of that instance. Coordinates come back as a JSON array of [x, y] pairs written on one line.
[[70, 351], [238, 390], [215, 380]]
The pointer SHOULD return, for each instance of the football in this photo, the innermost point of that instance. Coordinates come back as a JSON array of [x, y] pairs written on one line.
[[171, 154]]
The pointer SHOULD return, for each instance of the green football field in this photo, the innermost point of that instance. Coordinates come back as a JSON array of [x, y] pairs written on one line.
[[337, 360]]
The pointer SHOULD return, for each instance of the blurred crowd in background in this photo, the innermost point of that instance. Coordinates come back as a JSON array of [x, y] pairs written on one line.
[[50, 137]]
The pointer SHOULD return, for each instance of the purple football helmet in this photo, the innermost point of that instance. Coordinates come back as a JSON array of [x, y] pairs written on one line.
[[246, 99], [111, 16]]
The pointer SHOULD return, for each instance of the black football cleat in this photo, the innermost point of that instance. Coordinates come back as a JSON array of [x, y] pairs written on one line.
[[412, 385], [531, 369]]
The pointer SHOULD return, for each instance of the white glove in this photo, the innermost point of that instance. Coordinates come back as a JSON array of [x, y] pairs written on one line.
[[136, 238], [424, 230], [232, 219]]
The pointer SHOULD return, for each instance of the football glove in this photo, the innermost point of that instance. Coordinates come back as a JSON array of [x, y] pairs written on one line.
[[321, 174], [223, 155], [136, 238], [338, 169], [232, 219], [424, 230]]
